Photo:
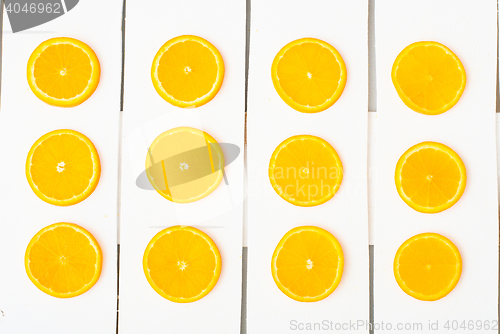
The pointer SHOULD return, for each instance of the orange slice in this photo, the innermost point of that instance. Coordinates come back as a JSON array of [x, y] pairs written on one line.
[[428, 77], [184, 164], [309, 75], [427, 266], [63, 72], [182, 264], [187, 71], [63, 260], [430, 177], [307, 264], [305, 170], [63, 167]]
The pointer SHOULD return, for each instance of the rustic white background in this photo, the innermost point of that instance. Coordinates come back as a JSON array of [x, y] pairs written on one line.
[[16, 292]]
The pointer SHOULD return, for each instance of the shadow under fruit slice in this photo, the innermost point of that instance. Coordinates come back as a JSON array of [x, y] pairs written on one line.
[[430, 177], [307, 264], [305, 170], [182, 264], [63, 167], [63, 72], [63, 260], [428, 77], [187, 71], [184, 164], [427, 266], [309, 75]]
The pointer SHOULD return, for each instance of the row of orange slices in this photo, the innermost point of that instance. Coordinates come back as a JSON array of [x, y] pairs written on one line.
[[187, 71], [309, 75]]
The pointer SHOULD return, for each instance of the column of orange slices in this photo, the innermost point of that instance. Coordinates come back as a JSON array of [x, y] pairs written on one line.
[[430, 177], [305, 170], [184, 165], [63, 168]]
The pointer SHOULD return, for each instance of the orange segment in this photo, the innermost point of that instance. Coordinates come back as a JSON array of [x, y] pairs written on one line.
[[63, 167], [63, 72], [430, 177], [428, 77], [182, 264], [307, 264], [309, 75], [427, 266], [187, 71], [305, 170], [184, 164], [63, 260]]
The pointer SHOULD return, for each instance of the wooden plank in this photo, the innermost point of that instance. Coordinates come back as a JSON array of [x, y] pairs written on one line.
[[343, 24], [145, 212], [23, 119], [470, 30]]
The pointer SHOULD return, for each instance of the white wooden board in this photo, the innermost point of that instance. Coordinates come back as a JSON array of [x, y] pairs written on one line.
[[470, 30], [343, 24], [145, 212], [23, 119]]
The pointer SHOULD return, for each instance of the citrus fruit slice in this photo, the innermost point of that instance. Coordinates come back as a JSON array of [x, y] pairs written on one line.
[[187, 71], [305, 170], [427, 266], [430, 177], [307, 264], [63, 167], [63, 72], [309, 75], [184, 164], [182, 264], [63, 260], [428, 77]]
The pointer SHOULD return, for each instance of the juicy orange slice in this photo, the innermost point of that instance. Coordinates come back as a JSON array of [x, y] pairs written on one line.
[[430, 177], [427, 266], [182, 264], [63, 260], [305, 170], [428, 77], [187, 71], [63, 167], [309, 75], [63, 72], [185, 164], [307, 264]]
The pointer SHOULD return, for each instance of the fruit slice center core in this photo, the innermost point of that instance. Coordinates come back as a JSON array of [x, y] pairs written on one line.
[[60, 166]]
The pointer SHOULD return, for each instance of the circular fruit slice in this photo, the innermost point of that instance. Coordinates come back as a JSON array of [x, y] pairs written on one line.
[[187, 71], [63, 167], [63, 72], [63, 260], [427, 266], [182, 264], [307, 264], [428, 77], [184, 164], [309, 75], [430, 177], [305, 170]]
